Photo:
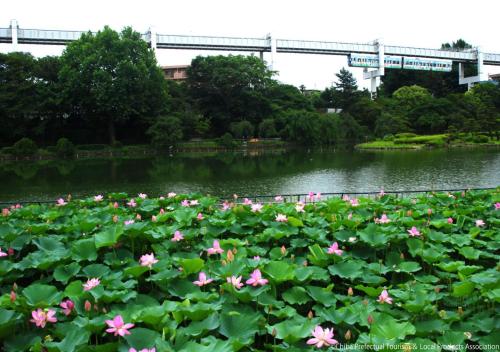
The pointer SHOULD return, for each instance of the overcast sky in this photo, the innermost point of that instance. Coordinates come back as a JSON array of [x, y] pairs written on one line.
[[421, 23]]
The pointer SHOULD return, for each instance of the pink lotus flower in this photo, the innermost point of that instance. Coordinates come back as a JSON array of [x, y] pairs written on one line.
[[2, 254], [138, 217], [171, 195], [115, 205], [132, 203], [334, 249], [480, 223], [278, 199], [256, 257], [497, 205], [247, 201], [354, 202], [193, 202], [349, 216], [414, 231], [311, 196], [202, 280], [142, 195], [345, 198], [235, 281], [118, 327], [281, 218], [148, 260], [91, 283], [128, 222], [256, 279], [143, 350], [60, 202], [42, 317], [5, 212], [67, 306], [215, 249], [322, 337], [226, 205], [161, 198], [384, 297], [256, 208], [162, 211], [199, 217], [299, 207], [98, 198], [87, 306], [185, 203], [450, 220], [178, 236], [381, 193], [383, 220], [235, 196], [154, 218]]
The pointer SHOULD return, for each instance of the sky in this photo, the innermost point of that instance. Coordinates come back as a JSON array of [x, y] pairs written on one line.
[[426, 23]]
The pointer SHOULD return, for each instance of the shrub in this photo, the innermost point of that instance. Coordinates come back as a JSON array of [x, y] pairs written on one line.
[[480, 138], [388, 137], [242, 129], [65, 148], [405, 135], [166, 131], [24, 147], [227, 140], [91, 147], [267, 129]]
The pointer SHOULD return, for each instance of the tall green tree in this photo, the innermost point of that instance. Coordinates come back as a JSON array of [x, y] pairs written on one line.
[[230, 89], [109, 78]]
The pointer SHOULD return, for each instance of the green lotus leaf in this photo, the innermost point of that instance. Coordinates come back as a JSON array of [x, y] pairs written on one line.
[[373, 236], [108, 237], [385, 326], [239, 325], [64, 273], [348, 269], [84, 250], [296, 295], [461, 289], [279, 271], [191, 266], [40, 295]]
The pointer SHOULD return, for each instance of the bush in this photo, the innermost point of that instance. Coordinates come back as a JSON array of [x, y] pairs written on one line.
[[242, 129], [388, 137], [65, 148], [480, 138], [405, 135], [227, 140], [267, 129], [166, 132], [91, 147], [24, 147]]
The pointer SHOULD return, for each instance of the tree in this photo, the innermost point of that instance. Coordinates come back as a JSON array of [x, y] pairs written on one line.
[[111, 78], [166, 131], [346, 88], [242, 129], [229, 89]]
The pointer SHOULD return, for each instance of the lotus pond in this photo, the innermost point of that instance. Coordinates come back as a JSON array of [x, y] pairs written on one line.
[[186, 273]]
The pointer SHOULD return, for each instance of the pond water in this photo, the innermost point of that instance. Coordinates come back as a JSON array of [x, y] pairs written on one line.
[[263, 174]]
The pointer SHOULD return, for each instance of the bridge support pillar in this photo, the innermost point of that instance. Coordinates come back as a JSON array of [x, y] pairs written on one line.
[[272, 44], [151, 37], [481, 73], [13, 29], [261, 55], [375, 75]]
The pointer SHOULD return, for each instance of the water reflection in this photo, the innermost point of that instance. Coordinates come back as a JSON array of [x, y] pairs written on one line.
[[225, 174]]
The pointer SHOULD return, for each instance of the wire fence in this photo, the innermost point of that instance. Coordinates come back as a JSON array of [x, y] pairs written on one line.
[[290, 198]]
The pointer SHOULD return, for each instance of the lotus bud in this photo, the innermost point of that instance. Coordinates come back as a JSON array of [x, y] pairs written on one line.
[[104, 310], [5, 212], [274, 333], [429, 211], [87, 306], [10, 251], [437, 289], [96, 308], [402, 256], [115, 205], [235, 196], [283, 250], [230, 256], [460, 311], [409, 213], [310, 315], [115, 218], [370, 319], [69, 197], [12, 296], [224, 263], [348, 335], [235, 250], [350, 292], [365, 302], [162, 211], [138, 217], [304, 263], [154, 218]]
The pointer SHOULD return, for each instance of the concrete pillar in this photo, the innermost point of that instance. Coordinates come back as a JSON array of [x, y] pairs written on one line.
[[261, 55], [13, 29], [481, 72], [381, 57], [152, 38], [272, 44]]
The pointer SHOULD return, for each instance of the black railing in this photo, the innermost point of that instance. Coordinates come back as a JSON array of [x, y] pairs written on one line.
[[305, 197]]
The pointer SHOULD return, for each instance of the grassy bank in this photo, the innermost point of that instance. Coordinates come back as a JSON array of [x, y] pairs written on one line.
[[412, 141], [192, 274]]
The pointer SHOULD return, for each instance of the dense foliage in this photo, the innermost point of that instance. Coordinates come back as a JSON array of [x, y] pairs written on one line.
[[185, 273], [107, 87]]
